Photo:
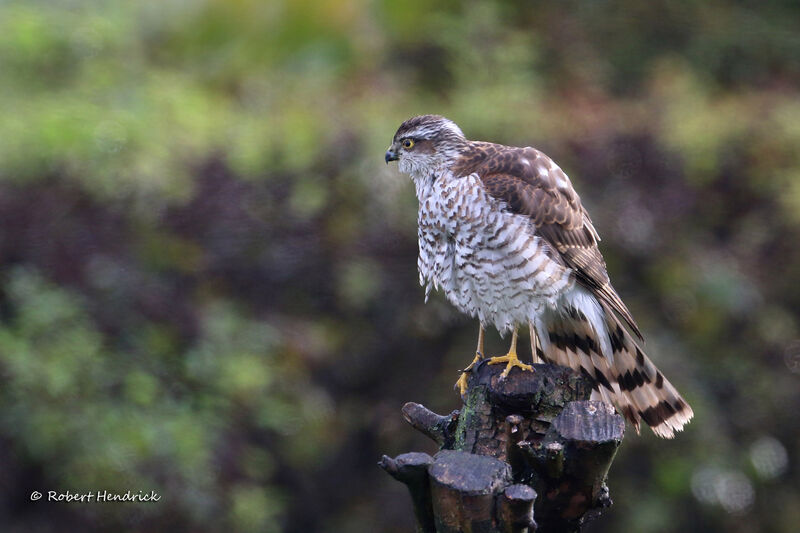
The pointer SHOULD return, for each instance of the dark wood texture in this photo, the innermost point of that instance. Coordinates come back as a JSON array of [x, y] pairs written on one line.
[[532, 433], [463, 488], [515, 509], [412, 469], [535, 397]]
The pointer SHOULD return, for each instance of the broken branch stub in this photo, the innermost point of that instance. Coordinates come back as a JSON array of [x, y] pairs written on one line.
[[532, 433]]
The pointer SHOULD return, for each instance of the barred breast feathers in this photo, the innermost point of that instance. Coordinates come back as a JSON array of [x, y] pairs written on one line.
[[490, 263], [504, 234], [581, 329], [531, 184]]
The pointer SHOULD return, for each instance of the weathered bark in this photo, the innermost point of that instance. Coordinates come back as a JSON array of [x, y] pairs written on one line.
[[535, 397], [463, 488], [440, 428], [515, 509], [412, 469], [569, 466], [532, 433]]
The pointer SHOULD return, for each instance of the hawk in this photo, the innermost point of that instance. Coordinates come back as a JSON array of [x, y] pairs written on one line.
[[503, 233]]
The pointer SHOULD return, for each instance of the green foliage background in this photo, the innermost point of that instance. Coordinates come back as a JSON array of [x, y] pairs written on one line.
[[207, 274]]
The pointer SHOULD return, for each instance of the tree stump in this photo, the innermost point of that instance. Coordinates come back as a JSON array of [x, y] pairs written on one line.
[[524, 454]]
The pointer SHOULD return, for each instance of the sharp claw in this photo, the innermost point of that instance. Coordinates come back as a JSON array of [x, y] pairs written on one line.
[[461, 385]]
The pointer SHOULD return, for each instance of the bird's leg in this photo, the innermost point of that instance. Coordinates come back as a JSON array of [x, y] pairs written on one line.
[[461, 384], [510, 358], [534, 344]]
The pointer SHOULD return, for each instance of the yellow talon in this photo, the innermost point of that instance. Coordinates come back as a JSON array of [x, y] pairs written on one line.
[[510, 358], [461, 384]]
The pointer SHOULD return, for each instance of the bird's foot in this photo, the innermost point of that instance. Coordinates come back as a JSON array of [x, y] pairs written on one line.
[[461, 384], [511, 361]]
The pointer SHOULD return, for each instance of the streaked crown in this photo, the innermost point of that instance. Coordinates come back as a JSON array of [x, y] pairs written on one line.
[[426, 144], [429, 127]]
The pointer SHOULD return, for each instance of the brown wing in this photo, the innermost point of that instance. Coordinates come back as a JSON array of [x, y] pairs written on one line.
[[532, 185]]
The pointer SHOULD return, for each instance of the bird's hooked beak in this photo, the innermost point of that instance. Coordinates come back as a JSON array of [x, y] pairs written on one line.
[[391, 155]]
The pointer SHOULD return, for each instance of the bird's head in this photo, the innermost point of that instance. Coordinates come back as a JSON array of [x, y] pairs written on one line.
[[425, 144]]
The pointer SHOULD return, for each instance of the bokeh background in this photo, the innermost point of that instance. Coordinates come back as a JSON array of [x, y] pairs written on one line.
[[208, 279]]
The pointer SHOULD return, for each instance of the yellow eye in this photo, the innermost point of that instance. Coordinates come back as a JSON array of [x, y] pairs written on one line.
[[408, 143]]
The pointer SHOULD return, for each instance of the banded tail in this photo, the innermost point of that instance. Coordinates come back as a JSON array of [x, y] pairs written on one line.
[[588, 337]]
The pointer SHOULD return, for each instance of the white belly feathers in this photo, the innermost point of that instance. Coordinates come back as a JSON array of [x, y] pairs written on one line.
[[489, 263]]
